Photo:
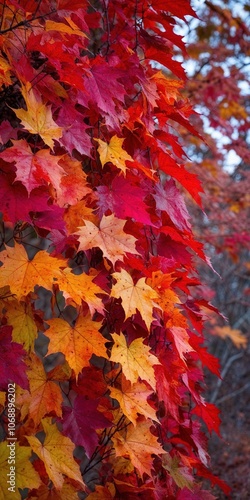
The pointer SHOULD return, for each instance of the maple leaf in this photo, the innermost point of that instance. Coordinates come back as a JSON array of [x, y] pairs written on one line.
[[22, 275], [71, 28], [210, 415], [103, 492], [75, 214], [179, 473], [135, 297], [125, 198], [16, 205], [80, 422], [78, 343], [105, 97], [33, 169], [181, 340], [74, 130], [44, 395], [68, 492], [73, 185], [24, 473], [234, 334], [133, 400], [57, 454], [78, 287], [110, 238], [139, 445], [20, 317], [38, 117], [136, 360], [169, 199], [113, 152], [13, 368]]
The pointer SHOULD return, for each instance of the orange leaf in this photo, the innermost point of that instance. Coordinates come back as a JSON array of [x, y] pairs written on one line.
[[138, 444], [75, 214], [110, 238], [44, 396], [235, 335], [103, 492], [22, 275], [133, 400], [77, 343], [68, 492], [73, 185], [136, 360], [70, 29]]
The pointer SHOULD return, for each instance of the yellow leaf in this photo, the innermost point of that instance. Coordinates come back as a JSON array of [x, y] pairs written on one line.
[[38, 117], [20, 317], [235, 335], [110, 238], [133, 400], [135, 297], [113, 152], [25, 475], [71, 29], [77, 343], [56, 452], [138, 444], [44, 395], [136, 360], [121, 465]]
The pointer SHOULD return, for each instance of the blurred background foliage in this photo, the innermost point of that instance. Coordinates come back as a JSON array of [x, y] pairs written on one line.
[[218, 69]]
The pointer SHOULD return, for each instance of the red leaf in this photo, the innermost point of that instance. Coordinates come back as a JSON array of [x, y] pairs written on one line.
[[80, 422], [125, 198], [209, 413], [12, 367], [169, 199]]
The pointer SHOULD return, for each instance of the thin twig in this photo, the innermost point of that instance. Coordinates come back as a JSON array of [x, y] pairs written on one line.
[[234, 393]]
